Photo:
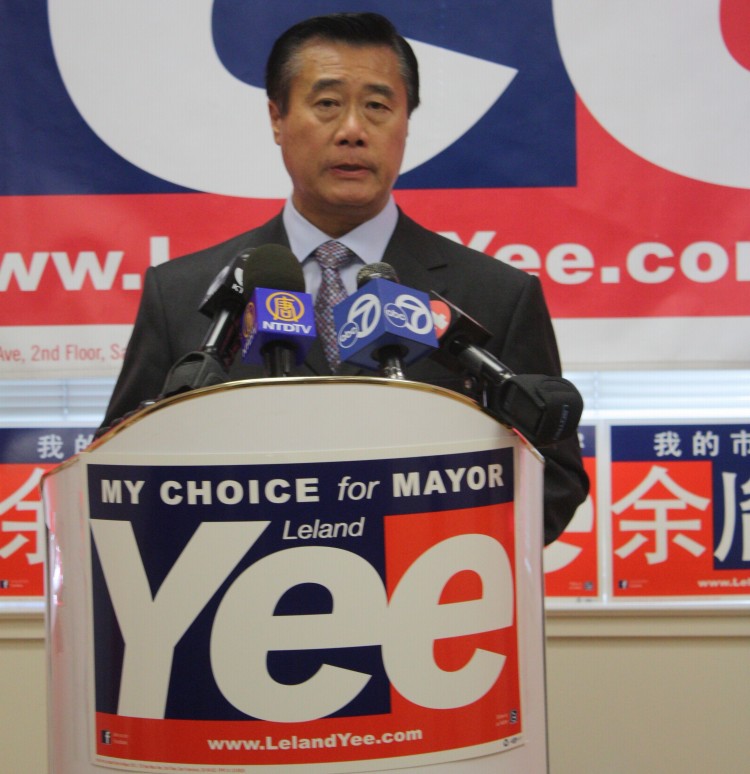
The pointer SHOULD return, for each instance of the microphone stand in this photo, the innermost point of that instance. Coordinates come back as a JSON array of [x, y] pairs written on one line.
[[389, 359], [194, 370], [279, 359]]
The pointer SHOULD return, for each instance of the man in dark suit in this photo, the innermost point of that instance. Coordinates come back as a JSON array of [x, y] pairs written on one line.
[[341, 89]]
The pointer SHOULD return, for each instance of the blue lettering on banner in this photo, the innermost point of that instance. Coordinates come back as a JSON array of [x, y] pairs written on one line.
[[168, 511]]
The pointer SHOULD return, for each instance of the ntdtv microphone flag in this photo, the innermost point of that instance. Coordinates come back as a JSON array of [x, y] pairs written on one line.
[[381, 315], [277, 318]]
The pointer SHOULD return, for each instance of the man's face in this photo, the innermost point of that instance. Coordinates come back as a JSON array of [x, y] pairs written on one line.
[[343, 136]]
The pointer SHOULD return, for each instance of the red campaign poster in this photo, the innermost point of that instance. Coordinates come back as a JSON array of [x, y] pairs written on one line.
[[25, 455], [21, 531], [679, 511], [571, 563]]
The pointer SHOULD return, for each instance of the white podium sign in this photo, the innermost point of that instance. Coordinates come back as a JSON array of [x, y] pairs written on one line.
[[328, 575]]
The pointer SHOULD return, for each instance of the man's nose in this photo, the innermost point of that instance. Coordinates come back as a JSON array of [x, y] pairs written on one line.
[[352, 130]]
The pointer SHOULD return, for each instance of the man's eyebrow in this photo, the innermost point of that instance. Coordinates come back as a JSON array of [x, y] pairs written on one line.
[[325, 83], [382, 89], [374, 88]]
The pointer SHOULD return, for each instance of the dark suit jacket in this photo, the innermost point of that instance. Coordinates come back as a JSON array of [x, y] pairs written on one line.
[[506, 301]]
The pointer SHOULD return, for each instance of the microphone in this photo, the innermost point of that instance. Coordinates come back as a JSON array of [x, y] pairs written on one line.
[[209, 364], [544, 409], [223, 299], [278, 326], [384, 325], [377, 270]]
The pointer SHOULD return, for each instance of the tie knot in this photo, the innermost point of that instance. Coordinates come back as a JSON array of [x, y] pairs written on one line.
[[333, 255]]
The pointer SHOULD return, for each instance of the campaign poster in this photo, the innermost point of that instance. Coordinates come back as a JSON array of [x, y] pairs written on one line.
[[680, 511], [304, 613], [25, 455], [571, 563]]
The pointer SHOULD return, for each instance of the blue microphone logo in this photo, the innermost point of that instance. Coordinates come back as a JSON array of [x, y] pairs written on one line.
[[383, 314], [361, 320], [277, 315], [285, 307], [411, 312]]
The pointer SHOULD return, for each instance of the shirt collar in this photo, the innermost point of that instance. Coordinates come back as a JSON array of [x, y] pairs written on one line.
[[368, 240]]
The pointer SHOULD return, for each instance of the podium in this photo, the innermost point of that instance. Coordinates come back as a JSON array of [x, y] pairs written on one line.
[[315, 575]]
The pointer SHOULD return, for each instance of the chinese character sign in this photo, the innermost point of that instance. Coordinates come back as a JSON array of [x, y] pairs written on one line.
[[571, 563], [25, 454], [680, 510]]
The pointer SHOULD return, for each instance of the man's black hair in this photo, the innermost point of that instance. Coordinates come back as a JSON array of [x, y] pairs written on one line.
[[354, 29]]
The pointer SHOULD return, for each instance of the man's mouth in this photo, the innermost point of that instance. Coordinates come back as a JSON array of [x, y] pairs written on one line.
[[351, 167]]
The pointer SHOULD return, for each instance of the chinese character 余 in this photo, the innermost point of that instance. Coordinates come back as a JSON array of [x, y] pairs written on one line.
[[17, 502], [661, 525]]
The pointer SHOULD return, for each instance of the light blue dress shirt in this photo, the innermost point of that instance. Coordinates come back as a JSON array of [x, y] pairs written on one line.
[[368, 242]]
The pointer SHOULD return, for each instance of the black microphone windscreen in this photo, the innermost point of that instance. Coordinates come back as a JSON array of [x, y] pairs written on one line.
[[546, 409], [274, 267], [377, 270], [225, 291]]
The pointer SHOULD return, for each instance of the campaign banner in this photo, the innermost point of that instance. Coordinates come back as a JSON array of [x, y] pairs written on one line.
[[571, 563], [278, 615], [680, 510], [25, 455], [135, 132]]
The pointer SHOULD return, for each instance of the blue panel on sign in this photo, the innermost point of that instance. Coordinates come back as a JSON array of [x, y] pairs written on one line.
[[307, 535], [527, 138]]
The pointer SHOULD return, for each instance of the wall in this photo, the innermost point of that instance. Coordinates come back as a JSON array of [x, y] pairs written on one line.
[[627, 692], [23, 700], [652, 693]]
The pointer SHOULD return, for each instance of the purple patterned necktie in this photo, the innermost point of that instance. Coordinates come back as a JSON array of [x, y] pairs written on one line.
[[331, 256]]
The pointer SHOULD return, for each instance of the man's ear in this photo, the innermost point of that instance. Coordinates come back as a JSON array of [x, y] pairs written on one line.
[[275, 116]]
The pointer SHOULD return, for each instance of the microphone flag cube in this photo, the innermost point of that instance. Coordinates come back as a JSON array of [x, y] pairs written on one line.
[[277, 317], [384, 314]]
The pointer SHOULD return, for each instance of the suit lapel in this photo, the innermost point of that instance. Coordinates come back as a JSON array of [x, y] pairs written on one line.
[[413, 254]]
